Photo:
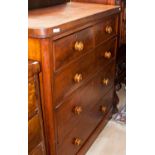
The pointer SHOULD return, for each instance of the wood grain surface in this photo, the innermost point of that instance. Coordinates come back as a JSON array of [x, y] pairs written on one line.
[[58, 15], [43, 22]]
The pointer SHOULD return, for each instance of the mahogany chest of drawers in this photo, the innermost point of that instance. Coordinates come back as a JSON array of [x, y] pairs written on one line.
[[76, 48]]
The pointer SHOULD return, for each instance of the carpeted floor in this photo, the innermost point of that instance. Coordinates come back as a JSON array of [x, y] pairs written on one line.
[[120, 117], [112, 140]]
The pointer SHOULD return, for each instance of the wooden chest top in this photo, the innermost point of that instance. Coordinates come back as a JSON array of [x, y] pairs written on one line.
[[41, 22]]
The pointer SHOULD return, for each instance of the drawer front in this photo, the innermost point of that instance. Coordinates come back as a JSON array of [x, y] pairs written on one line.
[[68, 48], [105, 103], [31, 96], [34, 132], [38, 150], [105, 30], [79, 104], [86, 125], [72, 76], [106, 52]]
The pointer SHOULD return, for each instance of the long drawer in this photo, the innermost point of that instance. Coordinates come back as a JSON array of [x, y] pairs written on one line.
[[86, 124], [74, 75], [78, 105]]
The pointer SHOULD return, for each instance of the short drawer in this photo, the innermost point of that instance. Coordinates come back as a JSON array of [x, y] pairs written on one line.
[[32, 107], [86, 125], [80, 103], [105, 103], [106, 52], [70, 47], [105, 30], [34, 132]]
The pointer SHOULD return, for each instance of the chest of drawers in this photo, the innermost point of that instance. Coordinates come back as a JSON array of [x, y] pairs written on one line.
[[76, 48]]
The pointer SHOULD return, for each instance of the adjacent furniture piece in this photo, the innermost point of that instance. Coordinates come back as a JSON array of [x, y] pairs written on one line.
[[75, 44], [121, 67], [36, 145], [122, 4], [121, 54]]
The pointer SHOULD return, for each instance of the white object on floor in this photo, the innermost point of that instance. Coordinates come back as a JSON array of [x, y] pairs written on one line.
[[122, 96], [111, 141]]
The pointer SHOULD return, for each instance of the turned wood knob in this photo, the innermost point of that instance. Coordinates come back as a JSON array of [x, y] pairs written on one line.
[[108, 29], [79, 46], [103, 109], [77, 141], [77, 110], [78, 78], [107, 55], [105, 81]]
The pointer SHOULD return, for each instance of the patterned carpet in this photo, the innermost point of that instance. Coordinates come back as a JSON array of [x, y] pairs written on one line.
[[120, 117]]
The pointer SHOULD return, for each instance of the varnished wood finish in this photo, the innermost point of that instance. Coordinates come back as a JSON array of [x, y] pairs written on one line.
[[38, 150], [47, 63], [122, 32], [93, 91], [33, 68], [110, 2], [34, 49], [110, 47], [35, 123], [32, 107], [77, 62], [34, 132], [32, 4], [122, 22], [85, 68], [100, 30], [43, 21], [67, 74], [95, 133], [64, 54]]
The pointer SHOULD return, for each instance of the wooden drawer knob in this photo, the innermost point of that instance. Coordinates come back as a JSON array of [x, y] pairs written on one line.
[[105, 81], [78, 78], [103, 109], [107, 55], [77, 110], [77, 141], [79, 46], [108, 29]]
